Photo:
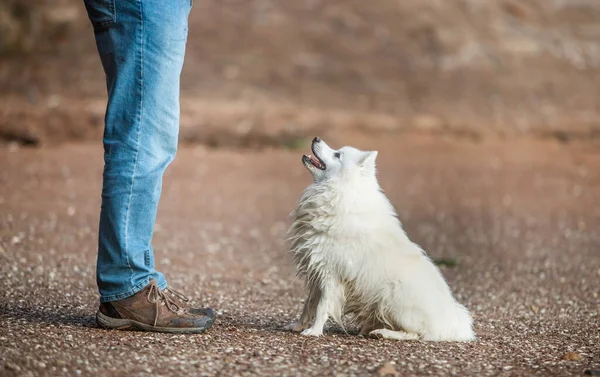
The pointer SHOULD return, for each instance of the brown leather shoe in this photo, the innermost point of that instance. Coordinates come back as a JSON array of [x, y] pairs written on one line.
[[154, 310]]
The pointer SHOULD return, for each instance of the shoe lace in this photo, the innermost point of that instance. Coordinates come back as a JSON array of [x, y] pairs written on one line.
[[179, 295], [156, 296]]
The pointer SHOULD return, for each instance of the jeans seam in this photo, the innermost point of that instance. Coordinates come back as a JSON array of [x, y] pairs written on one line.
[[113, 10], [137, 145]]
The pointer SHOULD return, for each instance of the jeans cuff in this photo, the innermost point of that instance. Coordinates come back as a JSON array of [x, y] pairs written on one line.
[[162, 284]]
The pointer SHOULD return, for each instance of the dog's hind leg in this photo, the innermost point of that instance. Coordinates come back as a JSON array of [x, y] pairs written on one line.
[[308, 313], [394, 335], [368, 326]]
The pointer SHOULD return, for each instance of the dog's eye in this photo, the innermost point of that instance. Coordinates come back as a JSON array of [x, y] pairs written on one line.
[[337, 155]]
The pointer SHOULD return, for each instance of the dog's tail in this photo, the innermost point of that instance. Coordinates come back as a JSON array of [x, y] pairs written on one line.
[[453, 324], [459, 326]]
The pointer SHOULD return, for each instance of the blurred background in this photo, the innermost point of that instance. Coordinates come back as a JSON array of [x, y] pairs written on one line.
[[267, 72]]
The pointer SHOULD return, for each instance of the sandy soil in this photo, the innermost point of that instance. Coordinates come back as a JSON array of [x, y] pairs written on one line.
[[520, 219]]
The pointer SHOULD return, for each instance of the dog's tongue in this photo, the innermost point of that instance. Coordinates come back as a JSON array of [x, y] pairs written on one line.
[[314, 160]]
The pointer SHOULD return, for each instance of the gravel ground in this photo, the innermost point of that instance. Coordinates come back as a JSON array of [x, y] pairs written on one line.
[[520, 219]]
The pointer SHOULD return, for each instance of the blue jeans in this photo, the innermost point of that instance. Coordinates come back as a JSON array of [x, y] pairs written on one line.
[[141, 44]]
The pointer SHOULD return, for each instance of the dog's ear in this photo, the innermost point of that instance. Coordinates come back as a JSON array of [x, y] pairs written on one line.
[[368, 161]]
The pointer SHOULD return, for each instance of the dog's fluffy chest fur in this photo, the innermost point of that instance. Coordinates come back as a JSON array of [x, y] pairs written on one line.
[[338, 234]]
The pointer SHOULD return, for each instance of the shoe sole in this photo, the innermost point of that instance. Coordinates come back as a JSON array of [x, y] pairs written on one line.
[[129, 324]]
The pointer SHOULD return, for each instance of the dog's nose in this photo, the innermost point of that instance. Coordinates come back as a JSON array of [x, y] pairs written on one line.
[[316, 139]]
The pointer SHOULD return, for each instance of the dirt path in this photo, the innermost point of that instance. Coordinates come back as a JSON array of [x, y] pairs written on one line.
[[521, 219]]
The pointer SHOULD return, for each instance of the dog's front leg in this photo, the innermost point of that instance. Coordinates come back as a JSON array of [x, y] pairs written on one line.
[[330, 303], [308, 312]]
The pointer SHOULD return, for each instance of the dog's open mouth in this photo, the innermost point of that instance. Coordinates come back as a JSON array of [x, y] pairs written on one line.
[[314, 161]]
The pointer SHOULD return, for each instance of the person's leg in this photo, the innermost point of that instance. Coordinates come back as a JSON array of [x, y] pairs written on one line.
[[141, 45]]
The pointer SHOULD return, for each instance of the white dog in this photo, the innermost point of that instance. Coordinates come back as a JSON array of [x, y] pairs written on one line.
[[350, 246]]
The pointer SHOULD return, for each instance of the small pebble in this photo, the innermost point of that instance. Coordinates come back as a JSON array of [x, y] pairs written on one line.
[[12, 366], [572, 356]]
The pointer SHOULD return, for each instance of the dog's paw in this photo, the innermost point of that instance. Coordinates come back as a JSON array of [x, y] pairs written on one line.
[[312, 332], [294, 326], [377, 334], [391, 334]]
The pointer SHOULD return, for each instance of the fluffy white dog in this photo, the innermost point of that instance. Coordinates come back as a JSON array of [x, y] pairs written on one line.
[[350, 246]]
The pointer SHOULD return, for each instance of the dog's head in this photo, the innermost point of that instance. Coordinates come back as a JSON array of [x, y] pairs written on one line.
[[326, 163]]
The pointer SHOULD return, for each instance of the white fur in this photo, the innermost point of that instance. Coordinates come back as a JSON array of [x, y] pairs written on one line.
[[350, 246]]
